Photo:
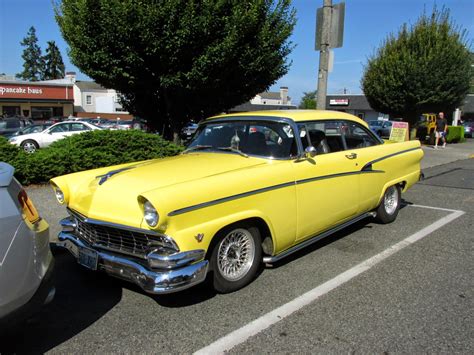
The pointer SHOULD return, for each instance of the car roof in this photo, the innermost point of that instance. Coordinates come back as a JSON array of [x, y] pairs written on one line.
[[296, 115]]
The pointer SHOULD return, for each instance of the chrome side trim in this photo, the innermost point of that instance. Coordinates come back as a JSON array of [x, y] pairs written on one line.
[[265, 189], [324, 177], [314, 239], [229, 198], [151, 281], [389, 156]]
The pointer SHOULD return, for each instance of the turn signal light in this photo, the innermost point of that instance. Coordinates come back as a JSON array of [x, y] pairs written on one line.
[[28, 208]]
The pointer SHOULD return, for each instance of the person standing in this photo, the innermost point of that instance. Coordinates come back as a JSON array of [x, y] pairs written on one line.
[[441, 129]]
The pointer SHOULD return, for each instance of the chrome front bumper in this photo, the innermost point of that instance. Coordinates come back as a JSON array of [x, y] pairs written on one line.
[[175, 272]]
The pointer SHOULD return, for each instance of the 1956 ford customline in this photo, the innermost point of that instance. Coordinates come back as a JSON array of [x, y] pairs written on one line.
[[251, 188]]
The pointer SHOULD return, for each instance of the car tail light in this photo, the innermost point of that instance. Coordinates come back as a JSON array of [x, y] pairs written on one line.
[[28, 208]]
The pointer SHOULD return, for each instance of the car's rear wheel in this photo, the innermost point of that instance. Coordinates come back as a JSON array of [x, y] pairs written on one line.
[[29, 146], [388, 209], [236, 258]]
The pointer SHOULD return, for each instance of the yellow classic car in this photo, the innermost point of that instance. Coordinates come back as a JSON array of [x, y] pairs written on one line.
[[251, 188]]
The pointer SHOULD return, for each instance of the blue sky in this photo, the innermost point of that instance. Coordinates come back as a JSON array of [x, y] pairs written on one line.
[[367, 23]]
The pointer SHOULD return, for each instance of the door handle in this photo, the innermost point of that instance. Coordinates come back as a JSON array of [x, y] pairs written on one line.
[[351, 156]]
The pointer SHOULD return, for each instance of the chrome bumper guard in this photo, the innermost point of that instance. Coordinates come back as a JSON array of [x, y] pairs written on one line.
[[165, 272]]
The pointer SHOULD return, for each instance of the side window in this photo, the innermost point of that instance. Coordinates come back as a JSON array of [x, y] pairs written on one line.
[[78, 127], [325, 136], [60, 128], [356, 136]]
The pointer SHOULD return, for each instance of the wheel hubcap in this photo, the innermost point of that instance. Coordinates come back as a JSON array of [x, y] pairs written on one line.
[[236, 254], [29, 147], [391, 200]]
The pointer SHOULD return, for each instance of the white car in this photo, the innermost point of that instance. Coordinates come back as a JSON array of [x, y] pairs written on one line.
[[31, 142]]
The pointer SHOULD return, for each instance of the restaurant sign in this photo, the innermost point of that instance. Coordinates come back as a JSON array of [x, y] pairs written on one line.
[[45, 92], [339, 102]]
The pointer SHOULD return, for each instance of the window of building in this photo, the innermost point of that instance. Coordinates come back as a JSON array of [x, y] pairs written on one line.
[[88, 99], [11, 111]]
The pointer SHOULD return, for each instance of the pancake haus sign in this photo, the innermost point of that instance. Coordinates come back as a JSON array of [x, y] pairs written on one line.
[[37, 91]]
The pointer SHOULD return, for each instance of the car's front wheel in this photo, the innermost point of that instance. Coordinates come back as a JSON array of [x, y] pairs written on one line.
[[29, 146], [236, 258], [388, 209]]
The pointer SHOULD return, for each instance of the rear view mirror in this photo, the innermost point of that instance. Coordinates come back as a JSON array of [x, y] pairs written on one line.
[[310, 152]]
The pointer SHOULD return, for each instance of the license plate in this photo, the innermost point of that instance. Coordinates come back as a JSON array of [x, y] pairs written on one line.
[[88, 258]]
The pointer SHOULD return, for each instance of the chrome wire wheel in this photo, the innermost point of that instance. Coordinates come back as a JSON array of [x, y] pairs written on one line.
[[390, 200], [235, 255]]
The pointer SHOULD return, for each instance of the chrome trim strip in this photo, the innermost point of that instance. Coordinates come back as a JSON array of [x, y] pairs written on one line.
[[265, 189], [151, 281], [324, 177], [314, 239], [229, 198], [113, 225], [389, 156]]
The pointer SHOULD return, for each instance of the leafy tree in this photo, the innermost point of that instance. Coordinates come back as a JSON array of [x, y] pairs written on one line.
[[424, 68], [308, 101], [53, 63], [176, 60], [33, 64]]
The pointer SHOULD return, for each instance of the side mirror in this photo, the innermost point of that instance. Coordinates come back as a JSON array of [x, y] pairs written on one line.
[[310, 152]]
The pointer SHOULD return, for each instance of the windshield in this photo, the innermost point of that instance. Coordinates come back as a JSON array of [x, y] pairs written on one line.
[[261, 138]]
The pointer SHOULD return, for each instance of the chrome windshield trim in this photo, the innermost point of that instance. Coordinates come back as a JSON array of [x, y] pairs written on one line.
[[246, 118]]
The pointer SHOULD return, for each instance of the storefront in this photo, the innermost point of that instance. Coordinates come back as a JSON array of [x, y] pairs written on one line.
[[36, 100]]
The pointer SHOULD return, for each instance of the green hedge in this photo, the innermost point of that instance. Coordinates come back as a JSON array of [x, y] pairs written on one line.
[[85, 151], [455, 134]]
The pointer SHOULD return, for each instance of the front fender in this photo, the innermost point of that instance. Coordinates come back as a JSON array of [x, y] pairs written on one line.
[[189, 237]]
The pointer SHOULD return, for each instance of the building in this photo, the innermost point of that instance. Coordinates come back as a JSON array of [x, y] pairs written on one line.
[[356, 105], [267, 101], [36, 100], [93, 100]]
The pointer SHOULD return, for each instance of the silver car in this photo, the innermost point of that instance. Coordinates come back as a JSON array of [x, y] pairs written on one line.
[[26, 262]]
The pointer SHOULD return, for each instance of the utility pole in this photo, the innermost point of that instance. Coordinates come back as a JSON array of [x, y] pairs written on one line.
[[324, 56], [329, 34]]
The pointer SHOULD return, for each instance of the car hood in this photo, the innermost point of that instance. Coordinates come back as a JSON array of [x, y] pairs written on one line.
[[110, 194]]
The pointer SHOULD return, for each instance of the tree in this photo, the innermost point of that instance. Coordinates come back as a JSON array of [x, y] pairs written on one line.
[[33, 64], [425, 68], [53, 63], [177, 60], [308, 101]]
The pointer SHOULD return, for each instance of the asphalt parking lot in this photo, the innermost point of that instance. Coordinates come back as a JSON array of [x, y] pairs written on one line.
[[415, 296]]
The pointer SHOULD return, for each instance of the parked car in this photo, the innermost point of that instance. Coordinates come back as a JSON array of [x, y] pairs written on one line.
[[34, 128], [381, 128], [33, 141], [188, 130], [236, 198], [26, 262], [11, 125], [468, 129]]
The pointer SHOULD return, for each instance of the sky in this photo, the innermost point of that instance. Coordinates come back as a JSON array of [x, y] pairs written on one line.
[[367, 24]]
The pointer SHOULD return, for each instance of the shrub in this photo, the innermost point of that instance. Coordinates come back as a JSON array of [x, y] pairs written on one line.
[[455, 134], [88, 150], [8, 152]]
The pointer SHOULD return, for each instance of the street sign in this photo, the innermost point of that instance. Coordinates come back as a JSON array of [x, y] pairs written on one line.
[[336, 29]]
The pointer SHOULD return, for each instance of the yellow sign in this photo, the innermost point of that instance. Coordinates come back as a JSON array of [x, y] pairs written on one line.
[[399, 132]]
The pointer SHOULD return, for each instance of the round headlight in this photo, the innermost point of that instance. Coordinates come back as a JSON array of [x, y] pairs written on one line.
[[59, 195], [150, 214]]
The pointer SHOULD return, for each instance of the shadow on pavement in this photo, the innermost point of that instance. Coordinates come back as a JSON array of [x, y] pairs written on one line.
[[82, 297]]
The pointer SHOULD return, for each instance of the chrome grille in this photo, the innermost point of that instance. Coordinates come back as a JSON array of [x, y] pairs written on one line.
[[118, 240]]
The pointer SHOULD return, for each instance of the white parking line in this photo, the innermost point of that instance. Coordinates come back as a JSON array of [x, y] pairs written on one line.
[[242, 334]]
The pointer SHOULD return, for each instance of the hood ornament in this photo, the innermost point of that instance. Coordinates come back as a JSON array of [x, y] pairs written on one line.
[[103, 178]]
